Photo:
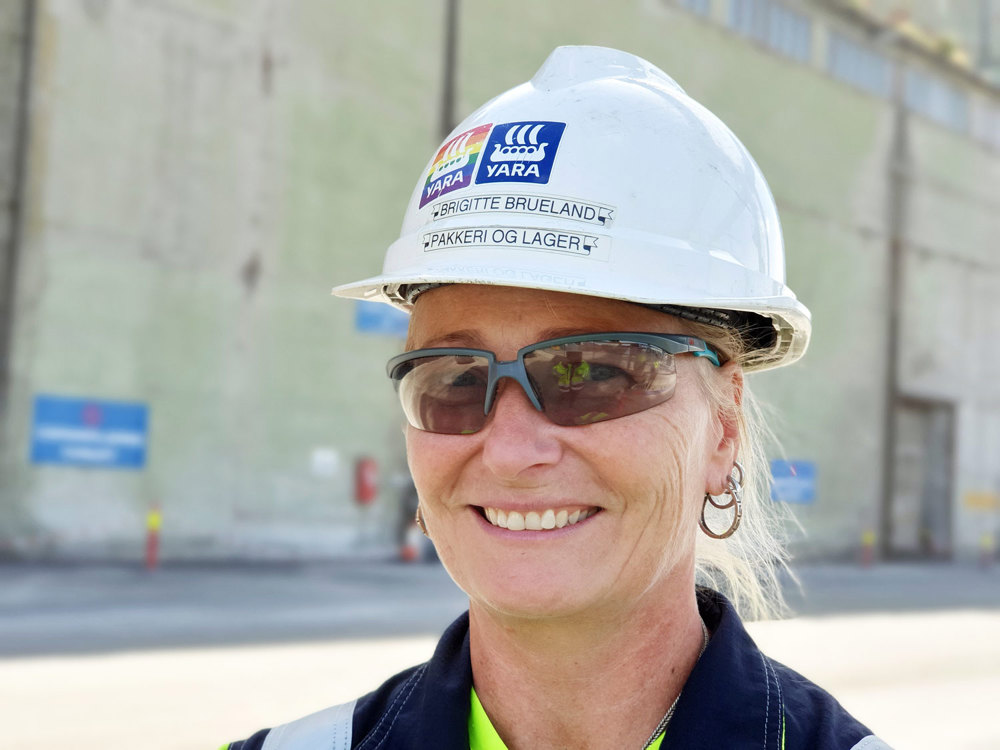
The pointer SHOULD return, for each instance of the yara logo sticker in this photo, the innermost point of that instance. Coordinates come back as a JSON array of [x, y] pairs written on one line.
[[520, 144], [454, 164], [520, 152]]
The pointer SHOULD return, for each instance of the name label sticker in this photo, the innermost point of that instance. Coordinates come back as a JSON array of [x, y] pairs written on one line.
[[526, 238], [454, 164], [536, 205], [520, 152]]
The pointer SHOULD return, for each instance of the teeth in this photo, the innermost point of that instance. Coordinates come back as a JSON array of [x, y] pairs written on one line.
[[548, 520], [535, 521]]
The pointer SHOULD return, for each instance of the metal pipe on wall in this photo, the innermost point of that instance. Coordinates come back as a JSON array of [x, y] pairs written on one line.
[[448, 72], [12, 244]]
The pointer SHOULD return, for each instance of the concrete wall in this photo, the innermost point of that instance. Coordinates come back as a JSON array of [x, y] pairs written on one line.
[[202, 172], [951, 321]]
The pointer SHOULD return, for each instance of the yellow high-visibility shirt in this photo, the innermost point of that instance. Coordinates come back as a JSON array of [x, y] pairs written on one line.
[[482, 735]]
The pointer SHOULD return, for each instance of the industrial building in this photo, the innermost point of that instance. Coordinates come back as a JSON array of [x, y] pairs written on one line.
[[187, 179]]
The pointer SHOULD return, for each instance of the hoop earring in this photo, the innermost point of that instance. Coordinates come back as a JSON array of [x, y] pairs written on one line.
[[735, 492], [419, 518]]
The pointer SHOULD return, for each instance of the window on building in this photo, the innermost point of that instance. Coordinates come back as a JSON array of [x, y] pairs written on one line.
[[937, 100], [774, 25], [858, 65], [743, 17], [790, 33], [701, 7], [985, 123]]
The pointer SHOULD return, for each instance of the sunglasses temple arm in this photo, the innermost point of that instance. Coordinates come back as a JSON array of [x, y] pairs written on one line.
[[709, 355]]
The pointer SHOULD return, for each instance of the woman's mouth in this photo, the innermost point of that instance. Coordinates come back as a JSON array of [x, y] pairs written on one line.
[[550, 518]]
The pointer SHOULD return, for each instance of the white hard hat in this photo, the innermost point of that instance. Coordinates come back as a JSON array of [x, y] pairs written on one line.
[[600, 176]]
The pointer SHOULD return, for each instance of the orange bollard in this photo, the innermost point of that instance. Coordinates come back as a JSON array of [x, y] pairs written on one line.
[[867, 548], [410, 551], [154, 519]]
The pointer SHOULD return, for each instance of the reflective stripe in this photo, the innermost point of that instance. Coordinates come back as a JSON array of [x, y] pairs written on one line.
[[871, 742], [330, 729]]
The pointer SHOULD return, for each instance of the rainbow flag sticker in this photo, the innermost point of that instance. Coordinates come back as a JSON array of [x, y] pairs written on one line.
[[454, 164]]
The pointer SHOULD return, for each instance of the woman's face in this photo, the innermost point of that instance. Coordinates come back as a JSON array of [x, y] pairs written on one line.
[[635, 483]]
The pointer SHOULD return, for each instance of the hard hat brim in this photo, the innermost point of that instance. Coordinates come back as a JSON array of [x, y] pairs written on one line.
[[791, 319]]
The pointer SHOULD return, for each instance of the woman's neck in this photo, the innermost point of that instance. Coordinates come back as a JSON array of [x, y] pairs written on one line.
[[597, 681]]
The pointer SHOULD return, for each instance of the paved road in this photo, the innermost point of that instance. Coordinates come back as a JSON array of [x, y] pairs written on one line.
[[189, 657], [47, 609]]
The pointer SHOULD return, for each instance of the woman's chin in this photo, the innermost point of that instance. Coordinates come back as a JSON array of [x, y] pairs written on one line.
[[533, 595], [538, 605]]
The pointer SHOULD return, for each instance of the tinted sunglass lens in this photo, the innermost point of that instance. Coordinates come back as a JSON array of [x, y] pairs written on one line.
[[444, 393], [594, 381]]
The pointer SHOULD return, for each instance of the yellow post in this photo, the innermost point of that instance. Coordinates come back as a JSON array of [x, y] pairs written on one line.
[[154, 520], [868, 547], [986, 549]]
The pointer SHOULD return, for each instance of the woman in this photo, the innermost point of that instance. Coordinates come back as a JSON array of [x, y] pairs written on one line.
[[592, 261]]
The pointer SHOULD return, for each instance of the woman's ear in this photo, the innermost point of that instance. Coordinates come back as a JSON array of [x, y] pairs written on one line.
[[726, 436]]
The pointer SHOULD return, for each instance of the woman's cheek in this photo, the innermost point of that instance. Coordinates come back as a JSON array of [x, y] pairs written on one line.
[[432, 460]]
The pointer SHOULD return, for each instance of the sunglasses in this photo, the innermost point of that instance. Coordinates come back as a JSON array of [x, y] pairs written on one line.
[[573, 380]]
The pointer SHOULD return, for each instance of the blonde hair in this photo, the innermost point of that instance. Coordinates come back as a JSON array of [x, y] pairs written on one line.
[[747, 566]]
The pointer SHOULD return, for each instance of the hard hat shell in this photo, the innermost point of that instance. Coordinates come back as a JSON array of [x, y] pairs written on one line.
[[600, 176]]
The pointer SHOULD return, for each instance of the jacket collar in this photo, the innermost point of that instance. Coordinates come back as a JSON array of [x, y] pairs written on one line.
[[733, 691], [430, 708]]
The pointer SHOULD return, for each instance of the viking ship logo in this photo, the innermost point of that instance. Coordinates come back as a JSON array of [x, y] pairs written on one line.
[[454, 164], [455, 157], [520, 144], [521, 152]]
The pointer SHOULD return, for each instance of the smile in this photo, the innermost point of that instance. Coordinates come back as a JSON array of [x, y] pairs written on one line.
[[550, 518]]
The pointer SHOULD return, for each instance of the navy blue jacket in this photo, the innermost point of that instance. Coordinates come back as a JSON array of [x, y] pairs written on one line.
[[734, 698]]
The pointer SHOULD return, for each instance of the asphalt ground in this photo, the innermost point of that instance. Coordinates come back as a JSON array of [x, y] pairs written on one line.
[[112, 656], [83, 608]]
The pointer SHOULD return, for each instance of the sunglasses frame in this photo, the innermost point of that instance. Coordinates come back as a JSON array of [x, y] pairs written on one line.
[[671, 343]]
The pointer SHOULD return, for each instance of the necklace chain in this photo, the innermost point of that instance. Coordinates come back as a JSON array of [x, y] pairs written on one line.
[[662, 726]]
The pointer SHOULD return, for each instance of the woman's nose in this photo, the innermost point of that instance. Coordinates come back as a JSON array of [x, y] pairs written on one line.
[[518, 437]]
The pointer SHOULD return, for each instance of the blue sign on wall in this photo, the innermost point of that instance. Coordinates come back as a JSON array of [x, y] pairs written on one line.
[[379, 318], [794, 481], [89, 432]]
